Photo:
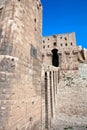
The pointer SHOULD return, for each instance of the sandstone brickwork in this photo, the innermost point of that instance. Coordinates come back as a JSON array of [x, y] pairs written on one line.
[[20, 65], [43, 81], [71, 106], [67, 51]]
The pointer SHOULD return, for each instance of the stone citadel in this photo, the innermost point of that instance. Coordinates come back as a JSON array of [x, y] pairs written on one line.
[[43, 80]]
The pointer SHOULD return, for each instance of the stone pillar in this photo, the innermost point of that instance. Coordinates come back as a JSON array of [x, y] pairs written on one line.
[[43, 100], [56, 80], [49, 107], [52, 84], [51, 98]]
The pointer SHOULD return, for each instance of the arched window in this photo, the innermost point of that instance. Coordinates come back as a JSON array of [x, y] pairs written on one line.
[[55, 58]]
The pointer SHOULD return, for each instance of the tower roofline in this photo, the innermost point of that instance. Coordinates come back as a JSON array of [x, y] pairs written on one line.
[[59, 34]]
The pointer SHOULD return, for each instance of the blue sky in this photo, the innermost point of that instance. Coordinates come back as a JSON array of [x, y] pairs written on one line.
[[63, 16]]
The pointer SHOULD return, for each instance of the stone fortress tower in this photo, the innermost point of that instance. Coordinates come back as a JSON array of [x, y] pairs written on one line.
[[43, 81], [64, 72], [61, 51], [20, 64]]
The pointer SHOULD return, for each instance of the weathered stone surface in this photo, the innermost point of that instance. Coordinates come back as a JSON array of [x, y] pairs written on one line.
[[67, 51], [42, 85], [19, 85], [71, 106]]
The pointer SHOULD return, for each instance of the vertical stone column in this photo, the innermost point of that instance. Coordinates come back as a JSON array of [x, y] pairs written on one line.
[[49, 107], [56, 81], [52, 85], [46, 102], [51, 98], [43, 99]]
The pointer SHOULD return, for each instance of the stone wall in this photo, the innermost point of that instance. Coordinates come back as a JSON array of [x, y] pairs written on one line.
[[20, 65], [71, 101], [67, 51], [34, 93]]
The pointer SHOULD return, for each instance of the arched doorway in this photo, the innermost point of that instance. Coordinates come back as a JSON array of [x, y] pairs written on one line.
[[55, 58]]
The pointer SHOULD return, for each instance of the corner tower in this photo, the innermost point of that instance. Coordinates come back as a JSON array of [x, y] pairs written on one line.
[[20, 64]]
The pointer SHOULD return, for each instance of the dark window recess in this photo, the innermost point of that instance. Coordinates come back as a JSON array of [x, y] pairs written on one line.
[[54, 43], [65, 44], [1, 11], [0, 32], [18, 0], [60, 37], [35, 20], [43, 41], [30, 119], [35, 28], [37, 6], [33, 51], [43, 55], [48, 46], [32, 102], [12, 59], [61, 44], [71, 44], [55, 58], [48, 39], [67, 53], [43, 46], [65, 38]]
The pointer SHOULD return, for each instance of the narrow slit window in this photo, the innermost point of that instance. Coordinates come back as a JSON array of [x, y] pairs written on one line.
[[55, 44], [33, 51]]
